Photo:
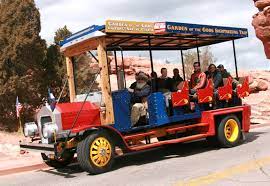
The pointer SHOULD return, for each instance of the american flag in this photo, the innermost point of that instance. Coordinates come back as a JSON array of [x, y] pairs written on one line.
[[18, 107]]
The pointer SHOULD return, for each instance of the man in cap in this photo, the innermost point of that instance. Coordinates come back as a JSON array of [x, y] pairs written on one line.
[[226, 74], [138, 97], [223, 71]]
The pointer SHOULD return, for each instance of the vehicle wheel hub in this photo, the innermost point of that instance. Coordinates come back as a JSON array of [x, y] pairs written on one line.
[[231, 130]]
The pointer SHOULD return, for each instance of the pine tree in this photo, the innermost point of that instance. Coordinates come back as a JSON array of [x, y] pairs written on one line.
[[61, 34], [22, 52], [54, 65]]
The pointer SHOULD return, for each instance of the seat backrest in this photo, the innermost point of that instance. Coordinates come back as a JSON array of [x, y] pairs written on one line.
[[241, 80], [181, 98], [206, 94], [243, 88], [225, 92], [225, 81]]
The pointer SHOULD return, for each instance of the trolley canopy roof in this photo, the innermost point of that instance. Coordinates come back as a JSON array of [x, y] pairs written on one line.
[[131, 36]]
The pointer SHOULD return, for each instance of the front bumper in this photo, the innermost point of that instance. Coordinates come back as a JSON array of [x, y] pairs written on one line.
[[38, 147]]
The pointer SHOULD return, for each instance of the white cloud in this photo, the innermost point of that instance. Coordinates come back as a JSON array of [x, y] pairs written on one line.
[[78, 14]]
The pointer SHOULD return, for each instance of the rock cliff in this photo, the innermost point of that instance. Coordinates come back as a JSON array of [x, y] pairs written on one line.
[[261, 23]]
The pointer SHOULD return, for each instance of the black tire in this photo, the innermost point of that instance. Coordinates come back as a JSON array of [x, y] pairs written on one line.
[[58, 163], [85, 157], [232, 136]]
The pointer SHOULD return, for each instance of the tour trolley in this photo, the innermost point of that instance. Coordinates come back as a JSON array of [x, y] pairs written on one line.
[[97, 132]]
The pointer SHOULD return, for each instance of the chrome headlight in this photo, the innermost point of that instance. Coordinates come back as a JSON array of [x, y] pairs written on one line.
[[30, 129]]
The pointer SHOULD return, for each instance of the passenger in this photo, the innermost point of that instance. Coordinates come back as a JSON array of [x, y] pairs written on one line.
[[138, 98], [215, 75], [153, 81], [226, 74], [164, 82], [223, 71], [133, 85], [198, 78], [176, 79]]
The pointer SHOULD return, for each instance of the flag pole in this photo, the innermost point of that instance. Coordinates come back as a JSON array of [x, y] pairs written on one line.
[[20, 126], [18, 113]]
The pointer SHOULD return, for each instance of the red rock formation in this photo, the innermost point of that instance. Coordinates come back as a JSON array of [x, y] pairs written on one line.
[[261, 23], [259, 100]]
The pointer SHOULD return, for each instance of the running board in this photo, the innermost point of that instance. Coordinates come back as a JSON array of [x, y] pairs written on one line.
[[173, 141], [139, 135], [166, 129], [187, 127]]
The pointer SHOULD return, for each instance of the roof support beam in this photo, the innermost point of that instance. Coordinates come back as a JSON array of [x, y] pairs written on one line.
[[184, 43], [138, 43], [159, 44], [235, 59], [107, 116], [150, 53], [71, 83], [124, 40], [198, 55], [183, 65]]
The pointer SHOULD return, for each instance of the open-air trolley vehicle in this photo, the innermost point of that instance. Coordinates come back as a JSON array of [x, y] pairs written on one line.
[[96, 132]]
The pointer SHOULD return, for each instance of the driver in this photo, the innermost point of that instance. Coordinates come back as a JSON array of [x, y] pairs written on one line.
[[138, 97]]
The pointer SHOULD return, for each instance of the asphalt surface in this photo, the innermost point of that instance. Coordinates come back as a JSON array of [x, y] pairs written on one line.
[[195, 163]]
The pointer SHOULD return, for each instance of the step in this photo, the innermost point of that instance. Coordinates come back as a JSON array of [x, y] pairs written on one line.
[[179, 140], [187, 127], [139, 135]]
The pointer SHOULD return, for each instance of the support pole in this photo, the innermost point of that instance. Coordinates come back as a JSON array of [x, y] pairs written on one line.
[[123, 66], [106, 116], [150, 52], [119, 77], [116, 67], [115, 61], [198, 54], [71, 83], [235, 59], [183, 65]]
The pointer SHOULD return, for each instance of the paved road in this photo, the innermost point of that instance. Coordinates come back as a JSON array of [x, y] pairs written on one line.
[[183, 164]]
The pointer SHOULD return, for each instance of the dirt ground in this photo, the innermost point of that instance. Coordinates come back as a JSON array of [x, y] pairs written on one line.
[[10, 154]]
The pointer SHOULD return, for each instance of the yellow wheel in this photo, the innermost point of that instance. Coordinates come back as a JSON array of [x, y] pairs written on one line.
[[96, 152], [100, 152], [229, 131]]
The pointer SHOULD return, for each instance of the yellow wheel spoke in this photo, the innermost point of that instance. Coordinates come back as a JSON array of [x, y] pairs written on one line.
[[104, 142], [103, 160], [97, 142], [94, 152], [94, 146], [95, 157], [99, 160], [101, 142]]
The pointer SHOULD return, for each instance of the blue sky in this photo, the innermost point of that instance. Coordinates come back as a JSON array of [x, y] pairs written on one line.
[[78, 14]]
